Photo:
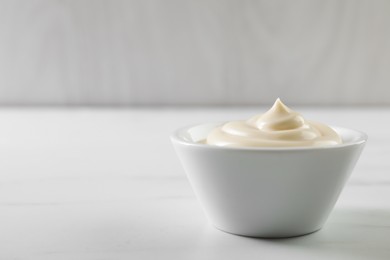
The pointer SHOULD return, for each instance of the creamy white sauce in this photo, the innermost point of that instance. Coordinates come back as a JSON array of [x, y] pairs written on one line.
[[278, 127]]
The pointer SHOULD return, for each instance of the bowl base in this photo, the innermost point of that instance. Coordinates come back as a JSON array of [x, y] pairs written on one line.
[[269, 236]]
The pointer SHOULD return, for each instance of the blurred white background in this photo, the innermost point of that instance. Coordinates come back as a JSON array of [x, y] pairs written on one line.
[[153, 52], [103, 183]]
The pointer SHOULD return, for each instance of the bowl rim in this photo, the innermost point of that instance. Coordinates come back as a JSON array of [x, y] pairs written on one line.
[[176, 138]]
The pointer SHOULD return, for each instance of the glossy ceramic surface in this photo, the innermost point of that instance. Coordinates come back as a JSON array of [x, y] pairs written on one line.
[[267, 192]]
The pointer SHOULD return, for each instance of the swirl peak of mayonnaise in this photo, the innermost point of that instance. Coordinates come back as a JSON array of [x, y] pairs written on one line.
[[278, 127]]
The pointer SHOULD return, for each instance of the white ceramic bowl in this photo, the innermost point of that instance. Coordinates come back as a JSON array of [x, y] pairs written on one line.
[[267, 192]]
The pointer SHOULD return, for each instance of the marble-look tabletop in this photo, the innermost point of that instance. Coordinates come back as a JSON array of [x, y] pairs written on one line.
[[105, 184]]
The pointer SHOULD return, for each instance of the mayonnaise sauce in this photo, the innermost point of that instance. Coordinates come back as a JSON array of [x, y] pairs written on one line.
[[278, 127]]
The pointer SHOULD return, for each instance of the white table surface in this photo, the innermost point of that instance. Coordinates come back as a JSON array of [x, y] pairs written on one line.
[[106, 184]]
